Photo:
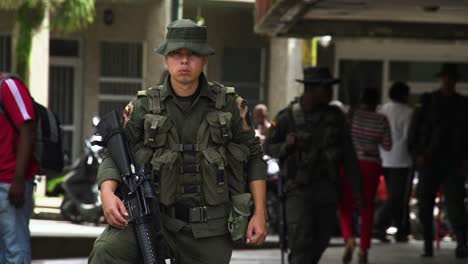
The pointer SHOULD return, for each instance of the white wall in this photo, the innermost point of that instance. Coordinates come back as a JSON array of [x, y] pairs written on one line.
[[285, 68]]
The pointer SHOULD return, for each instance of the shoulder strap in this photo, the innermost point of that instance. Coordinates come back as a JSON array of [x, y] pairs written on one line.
[[221, 94], [154, 99], [297, 114]]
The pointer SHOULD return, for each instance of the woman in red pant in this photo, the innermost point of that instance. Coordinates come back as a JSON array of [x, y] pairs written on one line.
[[369, 130]]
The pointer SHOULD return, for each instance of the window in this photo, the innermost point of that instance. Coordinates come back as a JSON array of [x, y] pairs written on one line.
[[64, 93], [5, 53], [242, 70], [64, 48], [121, 74], [414, 71], [356, 75], [61, 85]]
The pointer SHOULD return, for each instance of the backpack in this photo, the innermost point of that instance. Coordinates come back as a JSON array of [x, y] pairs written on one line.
[[48, 142]]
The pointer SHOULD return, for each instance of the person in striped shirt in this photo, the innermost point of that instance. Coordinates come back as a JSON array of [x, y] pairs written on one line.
[[369, 130]]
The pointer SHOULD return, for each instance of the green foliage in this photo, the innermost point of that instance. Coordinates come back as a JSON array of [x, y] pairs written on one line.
[[29, 16], [31, 13], [65, 15], [72, 15], [11, 4]]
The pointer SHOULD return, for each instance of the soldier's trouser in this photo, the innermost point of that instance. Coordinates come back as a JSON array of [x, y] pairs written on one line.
[[120, 246], [309, 229], [449, 177]]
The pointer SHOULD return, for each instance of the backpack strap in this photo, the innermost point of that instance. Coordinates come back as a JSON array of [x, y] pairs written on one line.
[[296, 115]]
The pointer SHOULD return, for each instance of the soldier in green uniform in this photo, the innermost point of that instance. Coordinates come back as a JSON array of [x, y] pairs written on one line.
[[312, 140], [207, 162]]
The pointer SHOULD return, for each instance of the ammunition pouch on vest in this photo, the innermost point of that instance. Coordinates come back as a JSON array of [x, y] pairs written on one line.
[[219, 161], [238, 220], [318, 152]]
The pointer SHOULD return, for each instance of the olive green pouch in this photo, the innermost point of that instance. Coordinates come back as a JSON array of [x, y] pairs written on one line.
[[239, 217]]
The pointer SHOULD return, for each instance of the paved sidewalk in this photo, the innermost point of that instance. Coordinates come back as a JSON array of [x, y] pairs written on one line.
[[380, 254]]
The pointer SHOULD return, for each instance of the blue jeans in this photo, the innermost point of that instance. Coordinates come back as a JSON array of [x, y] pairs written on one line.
[[15, 242]]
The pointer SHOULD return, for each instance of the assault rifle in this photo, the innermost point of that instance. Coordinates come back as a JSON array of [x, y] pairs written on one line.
[[136, 190], [283, 228]]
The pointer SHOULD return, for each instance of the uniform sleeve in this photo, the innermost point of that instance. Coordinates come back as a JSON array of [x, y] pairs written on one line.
[[17, 101], [386, 140], [275, 142], [256, 166], [107, 170], [350, 160], [134, 128]]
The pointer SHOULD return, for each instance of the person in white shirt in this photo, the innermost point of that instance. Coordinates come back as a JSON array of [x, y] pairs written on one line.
[[396, 164]]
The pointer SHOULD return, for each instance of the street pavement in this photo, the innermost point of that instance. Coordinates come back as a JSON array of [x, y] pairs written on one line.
[[380, 254]]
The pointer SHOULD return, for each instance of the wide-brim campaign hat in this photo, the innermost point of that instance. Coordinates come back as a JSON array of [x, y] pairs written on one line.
[[184, 33], [449, 69], [318, 75]]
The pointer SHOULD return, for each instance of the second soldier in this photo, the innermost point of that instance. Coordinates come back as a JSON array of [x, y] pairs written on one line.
[[312, 141]]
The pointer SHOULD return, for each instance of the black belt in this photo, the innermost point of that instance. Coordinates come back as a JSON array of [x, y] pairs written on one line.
[[189, 168], [195, 214]]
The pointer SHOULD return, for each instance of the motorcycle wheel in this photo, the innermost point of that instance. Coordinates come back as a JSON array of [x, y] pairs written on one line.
[[70, 211]]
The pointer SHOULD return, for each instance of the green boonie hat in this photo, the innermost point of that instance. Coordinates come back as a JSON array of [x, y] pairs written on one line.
[[184, 33]]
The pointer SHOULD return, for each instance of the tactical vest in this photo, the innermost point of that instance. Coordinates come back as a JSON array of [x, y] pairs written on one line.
[[219, 162], [318, 150]]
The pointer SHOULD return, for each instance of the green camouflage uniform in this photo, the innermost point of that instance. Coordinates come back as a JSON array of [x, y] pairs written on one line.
[[312, 168], [202, 160]]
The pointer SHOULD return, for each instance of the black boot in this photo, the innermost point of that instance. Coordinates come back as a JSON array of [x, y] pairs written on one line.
[[428, 249], [461, 251]]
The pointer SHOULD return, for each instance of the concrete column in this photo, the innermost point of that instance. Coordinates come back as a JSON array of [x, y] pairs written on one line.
[[285, 68], [39, 64], [158, 18], [90, 58]]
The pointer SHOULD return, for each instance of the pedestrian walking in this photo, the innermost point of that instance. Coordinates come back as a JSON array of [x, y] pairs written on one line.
[[17, 169], [439, 143], [396, 166], [312, 141], [369, 130]]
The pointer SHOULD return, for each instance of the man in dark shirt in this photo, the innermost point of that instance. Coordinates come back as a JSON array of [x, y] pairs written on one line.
[[438, 141]]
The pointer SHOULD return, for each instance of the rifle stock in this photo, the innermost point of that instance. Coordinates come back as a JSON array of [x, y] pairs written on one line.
[[137, 190], [283, 228]]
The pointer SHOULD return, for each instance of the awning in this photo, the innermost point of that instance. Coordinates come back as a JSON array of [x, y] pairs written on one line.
[[445, 19]]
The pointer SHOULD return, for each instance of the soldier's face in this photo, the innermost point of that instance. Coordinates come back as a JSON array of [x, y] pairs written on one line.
[[448, 81], [317, 95], [185, 66]]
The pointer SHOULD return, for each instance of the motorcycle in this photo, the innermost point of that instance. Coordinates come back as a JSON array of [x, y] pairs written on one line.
[[81, 200]]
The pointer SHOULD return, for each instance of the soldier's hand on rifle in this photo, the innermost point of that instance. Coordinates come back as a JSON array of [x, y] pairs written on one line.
[[257, 230], [114, 209]]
